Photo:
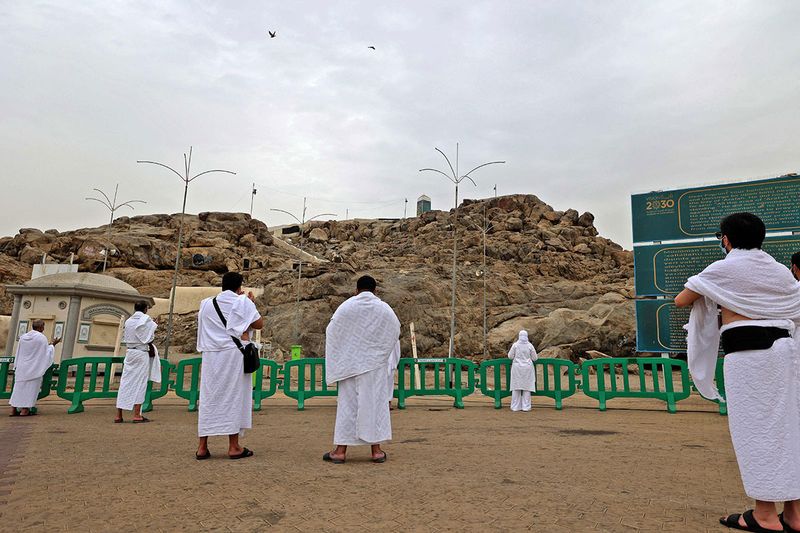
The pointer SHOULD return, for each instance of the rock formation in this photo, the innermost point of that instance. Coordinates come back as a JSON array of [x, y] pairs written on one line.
[[547, 271]]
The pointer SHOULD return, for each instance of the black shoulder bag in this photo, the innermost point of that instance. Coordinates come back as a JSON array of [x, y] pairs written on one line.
[[249, 352]]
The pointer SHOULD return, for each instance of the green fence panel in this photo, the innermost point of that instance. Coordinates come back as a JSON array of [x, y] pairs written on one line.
[[7, 381], [191, 390], [87, 371], [551, 385], [660, 386], [272, 371], [161, 389], [93, 379], [309, 377], [447, 379]]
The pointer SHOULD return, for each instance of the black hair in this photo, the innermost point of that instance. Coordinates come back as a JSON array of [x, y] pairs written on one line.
[[232, 281], [744, 230], [366, 283], [140, 306], [796, 259]]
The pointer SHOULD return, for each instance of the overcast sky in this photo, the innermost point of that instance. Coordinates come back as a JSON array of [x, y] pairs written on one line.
[[586, 101]]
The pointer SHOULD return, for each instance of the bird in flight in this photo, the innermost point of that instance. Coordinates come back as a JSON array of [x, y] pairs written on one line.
[[272, 34], [372, 47]]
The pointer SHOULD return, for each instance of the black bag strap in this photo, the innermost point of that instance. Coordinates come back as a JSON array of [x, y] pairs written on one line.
[[225, 323]]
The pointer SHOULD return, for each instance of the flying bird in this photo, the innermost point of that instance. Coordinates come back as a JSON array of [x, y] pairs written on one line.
[[272, 34], [372, 47]]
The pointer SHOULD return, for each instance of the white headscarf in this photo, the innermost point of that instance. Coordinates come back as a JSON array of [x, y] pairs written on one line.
[[523, 337]]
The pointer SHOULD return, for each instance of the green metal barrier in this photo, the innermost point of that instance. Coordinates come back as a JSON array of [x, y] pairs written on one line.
[[7, 382], [273, 380], [660, 387], [447, 379], [310, 378], [93, 367], [551, 385], [192, 392], [163, 387]]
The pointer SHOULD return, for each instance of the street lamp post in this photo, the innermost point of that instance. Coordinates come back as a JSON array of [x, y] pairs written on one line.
[[302, 220], [484, 229], [112, 206], [456, 178], [187, 178]]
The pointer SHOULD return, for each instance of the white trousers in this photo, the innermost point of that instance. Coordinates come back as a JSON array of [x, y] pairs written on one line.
[[520, 400]]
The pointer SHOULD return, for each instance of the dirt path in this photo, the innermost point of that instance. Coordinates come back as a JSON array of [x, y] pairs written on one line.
[[473, 469]]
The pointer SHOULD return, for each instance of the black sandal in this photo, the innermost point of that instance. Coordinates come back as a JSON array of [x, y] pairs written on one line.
[[787, 527], [327, 457], [245, 453], [381, 459], [202, 457], [732, 521], [142, 421]]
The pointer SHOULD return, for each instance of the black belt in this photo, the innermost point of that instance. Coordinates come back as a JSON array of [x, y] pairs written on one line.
[[744, 338]]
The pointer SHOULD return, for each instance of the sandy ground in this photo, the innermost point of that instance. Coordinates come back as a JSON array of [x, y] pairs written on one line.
[[632, 468]]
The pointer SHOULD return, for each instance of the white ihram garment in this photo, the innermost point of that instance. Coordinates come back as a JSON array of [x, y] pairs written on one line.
[[34, 356], [523, 372], [138, 367], [226, 392], [361, 347], [762, 387]]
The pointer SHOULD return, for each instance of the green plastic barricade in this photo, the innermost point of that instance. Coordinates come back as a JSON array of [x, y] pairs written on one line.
[[94, 368], [309, 376], [84, 367], [161, 388], [7, 382], [192, 391], [270, 370], [554, 372], [447, 379], [660, 386]]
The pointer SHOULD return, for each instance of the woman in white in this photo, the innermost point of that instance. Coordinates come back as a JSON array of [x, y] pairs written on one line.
[[523, 373]]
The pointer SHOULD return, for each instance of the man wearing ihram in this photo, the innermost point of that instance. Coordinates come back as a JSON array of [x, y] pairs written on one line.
[[362, 349], [226, 392], [760, 302]]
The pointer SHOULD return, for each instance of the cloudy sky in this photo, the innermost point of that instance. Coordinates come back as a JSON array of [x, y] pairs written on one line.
[[586, 101]]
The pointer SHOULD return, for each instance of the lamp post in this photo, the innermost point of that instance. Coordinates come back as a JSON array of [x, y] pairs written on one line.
[[187, 178], [456, 178], [484, 229], [302, 220], [112, 206]]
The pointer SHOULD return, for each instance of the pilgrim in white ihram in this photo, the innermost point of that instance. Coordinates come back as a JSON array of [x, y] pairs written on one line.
[[34, 356], [138, 367], [523, 372]]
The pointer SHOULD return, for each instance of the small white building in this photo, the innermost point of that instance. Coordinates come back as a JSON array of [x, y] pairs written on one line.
[[83, 309]]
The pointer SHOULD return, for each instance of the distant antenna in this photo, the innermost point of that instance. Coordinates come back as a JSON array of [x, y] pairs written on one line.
[[405, 208], [252, 195]]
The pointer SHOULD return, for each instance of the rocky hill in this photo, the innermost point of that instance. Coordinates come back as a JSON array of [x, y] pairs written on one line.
[[547, 271]]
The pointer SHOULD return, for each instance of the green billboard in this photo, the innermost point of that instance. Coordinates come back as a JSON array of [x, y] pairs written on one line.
[[696, 212], [662, 269], [659, 326]]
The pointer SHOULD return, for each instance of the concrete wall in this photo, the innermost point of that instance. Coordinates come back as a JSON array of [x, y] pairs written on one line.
[[187, 299]]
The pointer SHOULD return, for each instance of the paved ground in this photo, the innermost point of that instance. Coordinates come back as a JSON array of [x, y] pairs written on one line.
[[632, 468]]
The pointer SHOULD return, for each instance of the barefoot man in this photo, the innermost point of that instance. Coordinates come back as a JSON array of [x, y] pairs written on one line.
[[760, 302], [361, 343], [226, 392], [34, 357]]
